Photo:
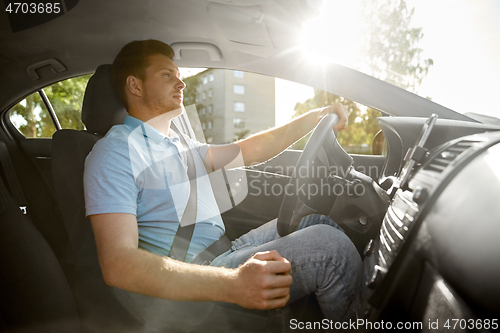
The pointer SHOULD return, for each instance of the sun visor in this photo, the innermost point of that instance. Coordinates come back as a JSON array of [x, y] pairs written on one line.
[[244, 27]]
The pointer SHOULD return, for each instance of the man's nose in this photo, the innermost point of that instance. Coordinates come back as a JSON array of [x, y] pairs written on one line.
[[181, 85]]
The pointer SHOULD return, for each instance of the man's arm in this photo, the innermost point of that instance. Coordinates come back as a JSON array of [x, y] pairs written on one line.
[[262, 282], [262, 146]]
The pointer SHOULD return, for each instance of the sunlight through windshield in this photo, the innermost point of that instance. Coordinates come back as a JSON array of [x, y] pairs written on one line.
[[446, 51]]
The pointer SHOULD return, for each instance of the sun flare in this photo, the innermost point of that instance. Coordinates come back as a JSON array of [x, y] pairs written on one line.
[[334, 37]]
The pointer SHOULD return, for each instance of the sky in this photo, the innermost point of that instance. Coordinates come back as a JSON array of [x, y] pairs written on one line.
[[466, 72], [462, 37]]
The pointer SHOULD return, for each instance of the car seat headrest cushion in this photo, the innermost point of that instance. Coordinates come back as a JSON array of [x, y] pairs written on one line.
[[101, 108]]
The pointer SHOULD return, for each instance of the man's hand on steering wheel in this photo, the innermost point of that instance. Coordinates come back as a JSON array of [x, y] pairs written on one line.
[[322, 142], [340, 110]]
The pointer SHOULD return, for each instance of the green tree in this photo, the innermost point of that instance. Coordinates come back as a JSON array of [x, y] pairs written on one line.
[[66, 97], [191, 90], [190, 93], [362, 121], [391, 45], [392, 53], [241, 134], [25, 115]]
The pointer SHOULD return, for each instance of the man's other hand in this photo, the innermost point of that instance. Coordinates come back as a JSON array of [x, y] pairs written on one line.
[[263, 282]]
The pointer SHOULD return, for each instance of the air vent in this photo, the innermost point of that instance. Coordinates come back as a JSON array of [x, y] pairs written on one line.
[[440, 161], [395, 227]]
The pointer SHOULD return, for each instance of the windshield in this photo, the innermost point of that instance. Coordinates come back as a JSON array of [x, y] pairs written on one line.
[[446, 51]]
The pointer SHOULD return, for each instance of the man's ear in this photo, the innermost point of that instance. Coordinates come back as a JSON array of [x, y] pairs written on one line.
[[134, 85]]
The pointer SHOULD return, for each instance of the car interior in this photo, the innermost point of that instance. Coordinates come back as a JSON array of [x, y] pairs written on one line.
[[424, 218]]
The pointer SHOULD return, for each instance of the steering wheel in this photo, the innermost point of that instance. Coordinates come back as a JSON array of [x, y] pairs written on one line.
[[321, 148]]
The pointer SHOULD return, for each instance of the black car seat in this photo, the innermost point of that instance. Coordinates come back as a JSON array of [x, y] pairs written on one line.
[[102, 307], [34, 292], [97, 303]]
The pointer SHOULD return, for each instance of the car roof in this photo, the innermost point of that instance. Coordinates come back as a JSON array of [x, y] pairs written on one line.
[[94, 31], [260, 36]]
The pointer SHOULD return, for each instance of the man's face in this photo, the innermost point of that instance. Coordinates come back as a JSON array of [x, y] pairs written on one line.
[[162, 85]]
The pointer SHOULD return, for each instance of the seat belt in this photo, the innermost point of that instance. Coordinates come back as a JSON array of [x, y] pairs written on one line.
[[210, 253], [182, 239], [11, 178]]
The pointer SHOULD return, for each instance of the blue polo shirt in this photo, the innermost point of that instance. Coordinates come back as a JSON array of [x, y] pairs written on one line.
[[136, 169]]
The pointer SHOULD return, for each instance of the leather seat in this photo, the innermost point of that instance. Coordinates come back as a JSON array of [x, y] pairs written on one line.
[[34, 293], [105, 308], [99, 308]]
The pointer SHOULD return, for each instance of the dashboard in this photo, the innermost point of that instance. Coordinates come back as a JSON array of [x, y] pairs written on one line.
[[437, 254], [401, 132]]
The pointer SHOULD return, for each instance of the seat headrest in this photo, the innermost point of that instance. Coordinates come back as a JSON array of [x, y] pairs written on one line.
[[101, 108]]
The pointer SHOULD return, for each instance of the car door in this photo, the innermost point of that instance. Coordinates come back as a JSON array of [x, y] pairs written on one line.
[[28, 128]]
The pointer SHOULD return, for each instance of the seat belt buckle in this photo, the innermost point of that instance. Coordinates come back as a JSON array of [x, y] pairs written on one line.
[[24, 209]]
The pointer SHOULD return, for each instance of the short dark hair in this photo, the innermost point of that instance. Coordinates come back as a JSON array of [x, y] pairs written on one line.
[[133, 60]]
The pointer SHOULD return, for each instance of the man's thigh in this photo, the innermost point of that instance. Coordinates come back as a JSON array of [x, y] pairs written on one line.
[[268, 232], [309, 240], [315, 249], [263, 239]]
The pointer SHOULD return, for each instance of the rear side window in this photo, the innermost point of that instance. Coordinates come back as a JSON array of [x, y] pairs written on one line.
[[31, 118], [54, 107]]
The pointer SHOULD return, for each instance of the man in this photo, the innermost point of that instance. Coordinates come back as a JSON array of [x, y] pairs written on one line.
[[134, 223]]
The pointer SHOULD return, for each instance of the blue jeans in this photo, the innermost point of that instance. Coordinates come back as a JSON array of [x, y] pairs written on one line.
[[323, 260]]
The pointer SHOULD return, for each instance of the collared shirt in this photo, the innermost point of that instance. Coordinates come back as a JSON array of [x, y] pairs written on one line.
[[136, 169]]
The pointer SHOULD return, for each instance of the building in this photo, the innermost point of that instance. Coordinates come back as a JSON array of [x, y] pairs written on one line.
[[234, 104]]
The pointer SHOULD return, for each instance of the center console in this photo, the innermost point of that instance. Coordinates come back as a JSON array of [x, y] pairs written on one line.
[[386, 254]]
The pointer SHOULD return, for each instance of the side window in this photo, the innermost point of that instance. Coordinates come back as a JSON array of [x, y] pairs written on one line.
[[66, 98], [245, 103], [239, 104], [54, 107], [31, 117], [362, 126]]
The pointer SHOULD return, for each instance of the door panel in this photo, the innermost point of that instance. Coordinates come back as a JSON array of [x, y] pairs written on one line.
[[283, 164], [262, 203], [38, 151]]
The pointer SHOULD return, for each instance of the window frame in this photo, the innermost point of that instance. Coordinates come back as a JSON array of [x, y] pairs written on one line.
[[50, 109]]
